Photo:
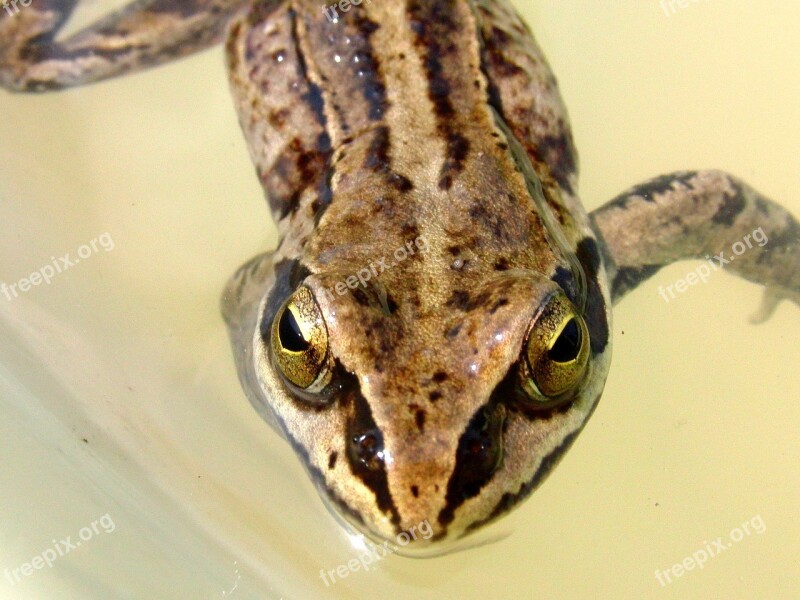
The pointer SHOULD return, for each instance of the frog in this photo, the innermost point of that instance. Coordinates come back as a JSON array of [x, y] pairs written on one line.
[[434, 328]]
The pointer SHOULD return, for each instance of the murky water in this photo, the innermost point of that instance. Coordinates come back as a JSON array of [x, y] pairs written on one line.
[[120, 404]]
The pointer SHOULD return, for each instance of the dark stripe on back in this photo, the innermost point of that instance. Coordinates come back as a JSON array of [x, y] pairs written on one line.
[[373, 86], [493, 97], [349, 68], [379, 160], [433, 23], [498, 63], [306, 157], [313, 97]]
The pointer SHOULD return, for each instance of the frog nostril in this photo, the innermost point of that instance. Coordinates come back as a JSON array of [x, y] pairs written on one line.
[[479, 455], [480, 450], [366, 449]]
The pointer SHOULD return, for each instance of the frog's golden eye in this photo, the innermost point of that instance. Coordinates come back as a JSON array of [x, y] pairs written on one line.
[[557, 351], [300, 342]]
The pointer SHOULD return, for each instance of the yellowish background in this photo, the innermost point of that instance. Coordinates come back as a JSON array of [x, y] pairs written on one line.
[[697, 431]]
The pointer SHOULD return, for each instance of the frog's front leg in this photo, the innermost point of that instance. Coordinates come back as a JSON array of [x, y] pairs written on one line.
[[143, 34], [703, 215]]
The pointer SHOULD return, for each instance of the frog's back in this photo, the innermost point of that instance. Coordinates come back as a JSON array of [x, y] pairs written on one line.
[[410, 91]]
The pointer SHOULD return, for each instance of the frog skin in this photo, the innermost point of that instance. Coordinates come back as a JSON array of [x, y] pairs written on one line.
[[446, 385]]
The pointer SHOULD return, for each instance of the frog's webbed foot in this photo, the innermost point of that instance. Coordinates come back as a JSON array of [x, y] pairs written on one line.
[[769, 302], [143, 34], [705, 215]]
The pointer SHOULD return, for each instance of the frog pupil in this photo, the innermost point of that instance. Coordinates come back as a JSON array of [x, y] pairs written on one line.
[[290, 335], [568, 344]]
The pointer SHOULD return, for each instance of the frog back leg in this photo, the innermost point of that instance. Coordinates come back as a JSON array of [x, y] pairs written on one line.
[[707, 215], [143, 34]]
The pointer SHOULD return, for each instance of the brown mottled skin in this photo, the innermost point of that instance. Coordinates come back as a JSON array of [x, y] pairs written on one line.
[[414, 120]]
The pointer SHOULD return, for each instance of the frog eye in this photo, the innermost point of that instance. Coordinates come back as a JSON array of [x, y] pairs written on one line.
[[300, 342], [557, 351]]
